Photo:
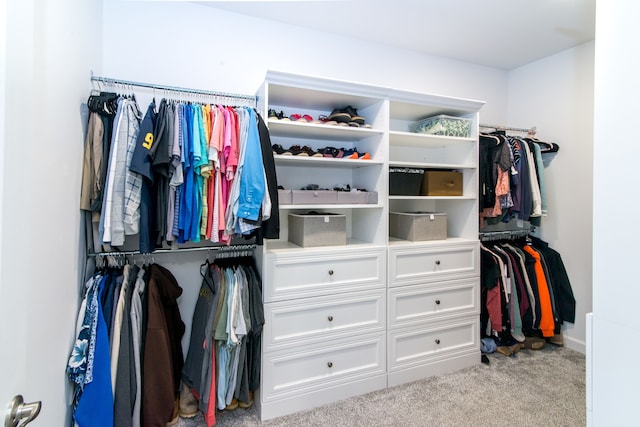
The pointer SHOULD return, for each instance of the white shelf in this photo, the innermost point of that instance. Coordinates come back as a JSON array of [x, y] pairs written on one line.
[[395, 164], [395, 242], [319, 131], [421, 139], [323, 162], [334, 206], [432, 197], [287, 247]]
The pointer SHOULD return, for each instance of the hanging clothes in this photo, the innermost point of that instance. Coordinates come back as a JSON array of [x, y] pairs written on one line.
[[223, 362], [511, 183], [533, 283], [127, 360], [183, 172]]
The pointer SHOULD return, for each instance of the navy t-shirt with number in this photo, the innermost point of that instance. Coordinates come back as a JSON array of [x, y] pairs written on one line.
[[141, 162]]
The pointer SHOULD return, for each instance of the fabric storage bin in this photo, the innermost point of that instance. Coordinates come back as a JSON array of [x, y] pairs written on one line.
[[441, 183], [284, 197], [357, 197], [317, 229], [418, 226], [314, 197], [444, 125], [405, 181]]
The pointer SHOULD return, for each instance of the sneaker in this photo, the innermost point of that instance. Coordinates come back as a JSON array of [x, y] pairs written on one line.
[[339, 116], [273, 114], [278, 149], [350, 154], [365, 156], [353, 115], [188, 403]]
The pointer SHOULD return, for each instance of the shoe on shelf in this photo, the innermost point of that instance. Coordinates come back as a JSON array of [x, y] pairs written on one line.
[[353, 115], [278, 149], [348, 153], [307, 118], [365, 156], [321, 120], [339, 116], [281, 116], [353, 124], [295, 117], [310, 152], [188, 403], [273, 114]]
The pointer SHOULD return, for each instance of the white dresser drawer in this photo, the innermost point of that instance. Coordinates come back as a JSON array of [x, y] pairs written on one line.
[[320, 319], [418, 264], [288, 276], [438, 340], [305, 369], [415, 304]]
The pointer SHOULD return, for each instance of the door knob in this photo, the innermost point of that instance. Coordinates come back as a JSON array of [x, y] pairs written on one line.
[[19, 414]]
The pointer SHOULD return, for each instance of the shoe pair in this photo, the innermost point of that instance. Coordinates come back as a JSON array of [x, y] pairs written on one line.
[[305, 118], [304, 151], [352, 153], [347, 115], [276, 116]]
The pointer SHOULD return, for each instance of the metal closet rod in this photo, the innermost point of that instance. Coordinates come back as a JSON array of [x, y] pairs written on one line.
[[175, 251], [531, 130], [108, 80]]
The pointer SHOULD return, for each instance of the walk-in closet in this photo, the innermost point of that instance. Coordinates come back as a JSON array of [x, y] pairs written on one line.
[[165, 166]]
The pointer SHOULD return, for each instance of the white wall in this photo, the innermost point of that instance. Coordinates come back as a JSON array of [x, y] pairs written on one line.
[[195, 46], [186, 44], [555, 94], [616, 290], [50, 49]]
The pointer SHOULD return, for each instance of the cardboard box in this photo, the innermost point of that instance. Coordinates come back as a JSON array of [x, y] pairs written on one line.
[[405, 182], [317, 229], [418, 226], [441, 183], [314, 197]]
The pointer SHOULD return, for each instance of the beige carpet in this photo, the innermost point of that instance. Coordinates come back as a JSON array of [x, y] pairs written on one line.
[[534, 388]]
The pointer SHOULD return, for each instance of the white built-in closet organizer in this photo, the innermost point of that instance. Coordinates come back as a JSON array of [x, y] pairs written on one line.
[[377, 312]]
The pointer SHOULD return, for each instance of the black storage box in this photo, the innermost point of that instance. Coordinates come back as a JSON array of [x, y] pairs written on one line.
[[405, 181]]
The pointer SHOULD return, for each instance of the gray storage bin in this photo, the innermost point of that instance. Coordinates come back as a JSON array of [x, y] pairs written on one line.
[[284, 197], [418, 226], [314, 197], [357, 197], [317, 229]]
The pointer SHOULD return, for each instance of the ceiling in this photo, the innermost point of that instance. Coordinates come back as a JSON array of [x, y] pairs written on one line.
[[502, 34]]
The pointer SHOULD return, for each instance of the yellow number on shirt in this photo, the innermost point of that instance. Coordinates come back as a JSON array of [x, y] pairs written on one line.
[[148, 141]]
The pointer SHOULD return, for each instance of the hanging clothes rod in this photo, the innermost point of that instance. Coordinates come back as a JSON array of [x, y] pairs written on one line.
[[503, 235], [110, 81], [231, 248], [531, 131]]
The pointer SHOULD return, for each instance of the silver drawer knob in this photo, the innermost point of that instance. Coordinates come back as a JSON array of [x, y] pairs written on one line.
[[330, 318], [330, 364]]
